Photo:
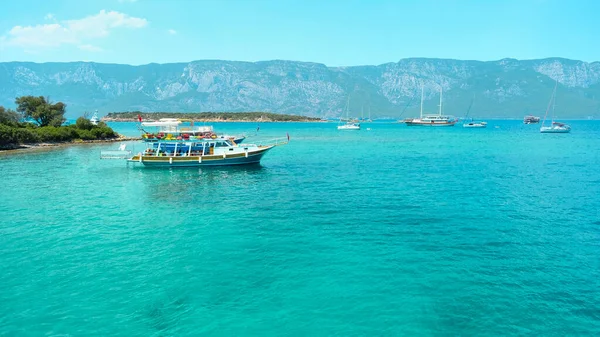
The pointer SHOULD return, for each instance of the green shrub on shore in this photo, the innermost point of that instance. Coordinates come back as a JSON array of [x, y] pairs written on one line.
[[84, 123], [48, 128], [15, 135]]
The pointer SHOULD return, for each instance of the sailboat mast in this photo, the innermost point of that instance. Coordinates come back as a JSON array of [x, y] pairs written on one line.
[[422, 92], [554, 101], [551, 103], [347, 106], [441, 90]]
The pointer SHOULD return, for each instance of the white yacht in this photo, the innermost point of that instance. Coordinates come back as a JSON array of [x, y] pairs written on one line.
[[350, 125], [95, 118], [431, 120]]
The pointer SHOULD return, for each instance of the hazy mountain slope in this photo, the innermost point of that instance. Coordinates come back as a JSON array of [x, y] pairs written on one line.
[[505, 88]]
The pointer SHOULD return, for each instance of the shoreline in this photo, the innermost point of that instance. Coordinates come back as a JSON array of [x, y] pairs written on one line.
[[212, 120], [20, 148]]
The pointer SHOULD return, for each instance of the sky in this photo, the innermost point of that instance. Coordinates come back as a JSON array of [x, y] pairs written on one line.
[[335, 33]]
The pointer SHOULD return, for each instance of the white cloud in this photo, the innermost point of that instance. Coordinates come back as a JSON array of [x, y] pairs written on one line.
[[99, 25], [71, 31], [49, 35], [90, 48], [172, 31], [49, 16]]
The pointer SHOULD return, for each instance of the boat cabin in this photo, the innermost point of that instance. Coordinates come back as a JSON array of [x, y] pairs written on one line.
[[183, 149]]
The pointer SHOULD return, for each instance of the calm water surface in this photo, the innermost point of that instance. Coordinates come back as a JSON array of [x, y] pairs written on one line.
[[392, 231]]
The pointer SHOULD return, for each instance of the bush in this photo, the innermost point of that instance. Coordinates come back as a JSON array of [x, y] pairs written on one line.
[[57, 134], [103, 132], [86, 135], [7, 135], [84, 123], [23, 133], [25, 136]]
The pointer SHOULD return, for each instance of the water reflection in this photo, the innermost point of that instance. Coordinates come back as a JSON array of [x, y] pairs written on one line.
[[192, 184]]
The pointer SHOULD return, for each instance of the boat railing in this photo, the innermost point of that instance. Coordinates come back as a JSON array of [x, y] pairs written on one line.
[[269, 142]]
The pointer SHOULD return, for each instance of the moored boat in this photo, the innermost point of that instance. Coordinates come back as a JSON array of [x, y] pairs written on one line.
[[475, 125], [530, 119], [350, 124], [555, 127], [172, 129], [202, 152], [471, 123], [431, 120]]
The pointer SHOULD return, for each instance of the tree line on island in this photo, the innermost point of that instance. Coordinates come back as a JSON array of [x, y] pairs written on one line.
[[37, 120], [210, 116]]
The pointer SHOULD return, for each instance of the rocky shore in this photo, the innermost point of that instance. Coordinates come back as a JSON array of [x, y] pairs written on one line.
[[210, 117], [47, 145]]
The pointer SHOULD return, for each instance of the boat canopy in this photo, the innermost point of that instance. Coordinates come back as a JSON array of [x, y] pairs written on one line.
[[164, 123]]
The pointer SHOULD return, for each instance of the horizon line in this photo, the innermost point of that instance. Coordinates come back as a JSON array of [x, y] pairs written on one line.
[[312, 62]]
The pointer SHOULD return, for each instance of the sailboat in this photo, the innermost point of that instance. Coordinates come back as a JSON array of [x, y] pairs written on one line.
[[369, 120], [471, 123], [349, 124], [431, 120], [406, 107], [555, 127]]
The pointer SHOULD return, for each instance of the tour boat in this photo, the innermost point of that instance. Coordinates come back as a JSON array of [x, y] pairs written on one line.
[[531, 119], [171, 129], [431, 120], [202, 152]]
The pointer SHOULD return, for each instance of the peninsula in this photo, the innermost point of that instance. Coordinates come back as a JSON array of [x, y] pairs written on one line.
[[208, 117]]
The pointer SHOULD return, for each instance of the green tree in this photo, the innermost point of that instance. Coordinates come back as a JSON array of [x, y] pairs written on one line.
[[41, 110], [8, 116]]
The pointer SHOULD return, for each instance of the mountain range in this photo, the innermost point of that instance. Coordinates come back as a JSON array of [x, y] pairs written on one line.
[[507, 88]]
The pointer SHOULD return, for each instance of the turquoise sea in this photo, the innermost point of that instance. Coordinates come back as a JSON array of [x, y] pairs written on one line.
[[393, 231]]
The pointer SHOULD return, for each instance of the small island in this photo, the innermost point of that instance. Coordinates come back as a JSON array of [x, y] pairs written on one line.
[[208, 117], [39, 122]]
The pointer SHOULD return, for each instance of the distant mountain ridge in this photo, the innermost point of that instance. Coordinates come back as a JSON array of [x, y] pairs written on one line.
[[507, 88]]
